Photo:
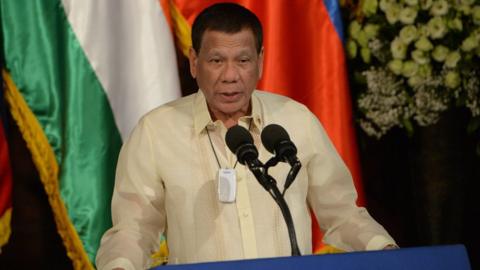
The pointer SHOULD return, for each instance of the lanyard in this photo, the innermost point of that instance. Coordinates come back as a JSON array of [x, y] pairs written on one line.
[[213, 148]]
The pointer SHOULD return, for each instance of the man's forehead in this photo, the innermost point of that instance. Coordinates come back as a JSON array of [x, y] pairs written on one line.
[[217, 37], [223, 34], [243, 29]]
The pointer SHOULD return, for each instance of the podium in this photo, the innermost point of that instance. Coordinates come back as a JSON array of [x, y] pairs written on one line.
[[424, 258]]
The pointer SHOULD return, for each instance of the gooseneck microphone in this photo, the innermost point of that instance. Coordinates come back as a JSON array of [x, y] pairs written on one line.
[[276, 140], [240, 142]]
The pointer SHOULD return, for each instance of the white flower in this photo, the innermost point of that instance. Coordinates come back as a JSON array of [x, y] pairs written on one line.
[[409, 68], [439, 53], [367, 126], [465, 9], [398, 49], [466, 2], [439, 8], [424, 71], [417, 58], [412, 3], [476, 15], [371, 30], [428, 104], [423, 31], [408, 15], [420, 57], [408, 34], [385, 102], [470, 43], [425, 4], [385, 4], [423, 44], [436, 27], [452, 59], [472, 88], [455, 24], [396, 66], [452, 79], [369, 7], [378, 50], [415, 81], [393, 13]]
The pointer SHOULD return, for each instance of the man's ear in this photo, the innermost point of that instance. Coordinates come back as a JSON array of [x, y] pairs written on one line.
[[192, 58]]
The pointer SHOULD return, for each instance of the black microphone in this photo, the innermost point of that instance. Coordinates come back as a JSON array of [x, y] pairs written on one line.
[[276, 140], [240, 142]]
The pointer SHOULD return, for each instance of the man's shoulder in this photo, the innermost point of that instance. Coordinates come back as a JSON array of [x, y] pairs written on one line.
[[277, 101], [173, 109], [269, 96]]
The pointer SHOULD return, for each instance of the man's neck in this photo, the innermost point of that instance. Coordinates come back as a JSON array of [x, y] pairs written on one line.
[[228, 120]]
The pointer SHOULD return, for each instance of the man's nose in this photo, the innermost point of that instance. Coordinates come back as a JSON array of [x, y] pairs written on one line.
[[230, 72]]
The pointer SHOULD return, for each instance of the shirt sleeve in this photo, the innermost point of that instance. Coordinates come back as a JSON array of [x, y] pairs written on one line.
[[332, 196], [138, 213]]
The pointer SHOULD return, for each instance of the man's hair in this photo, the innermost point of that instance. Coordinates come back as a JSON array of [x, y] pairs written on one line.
[[228, 18]]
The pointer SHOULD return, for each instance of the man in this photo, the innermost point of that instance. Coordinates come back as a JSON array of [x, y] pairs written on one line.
[[167, 171]]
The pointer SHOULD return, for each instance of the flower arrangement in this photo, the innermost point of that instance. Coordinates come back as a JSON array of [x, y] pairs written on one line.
[[413, 59]]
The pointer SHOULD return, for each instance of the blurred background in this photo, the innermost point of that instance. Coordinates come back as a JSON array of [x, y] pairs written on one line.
[[396, 88]]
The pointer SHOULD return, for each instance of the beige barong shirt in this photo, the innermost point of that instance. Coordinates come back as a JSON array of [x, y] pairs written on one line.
[[166, 183]]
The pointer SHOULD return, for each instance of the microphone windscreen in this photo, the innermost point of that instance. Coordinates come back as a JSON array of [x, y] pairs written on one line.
[[272, 135], [237, 136]]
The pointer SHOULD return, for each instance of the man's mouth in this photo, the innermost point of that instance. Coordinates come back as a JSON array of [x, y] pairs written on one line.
[[230, 96]]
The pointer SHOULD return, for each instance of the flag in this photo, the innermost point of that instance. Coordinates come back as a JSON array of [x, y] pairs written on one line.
[[304, 59], [79, 74], [5, 180]]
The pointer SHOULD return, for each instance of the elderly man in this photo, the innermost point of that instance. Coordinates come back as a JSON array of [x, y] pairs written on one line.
[[167, 173]]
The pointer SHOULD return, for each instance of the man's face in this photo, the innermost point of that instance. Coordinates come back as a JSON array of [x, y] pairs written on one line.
[[227, 69]]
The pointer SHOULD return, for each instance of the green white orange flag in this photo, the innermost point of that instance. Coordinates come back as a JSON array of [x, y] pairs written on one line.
[[79, 74], [304, 59]]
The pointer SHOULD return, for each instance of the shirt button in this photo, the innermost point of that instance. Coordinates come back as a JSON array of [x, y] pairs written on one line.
[[245, 214]]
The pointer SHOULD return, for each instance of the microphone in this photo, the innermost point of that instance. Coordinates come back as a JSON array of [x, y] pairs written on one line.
[[240, 142], [276, 140]]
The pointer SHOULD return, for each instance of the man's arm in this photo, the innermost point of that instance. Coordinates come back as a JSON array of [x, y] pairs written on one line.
[[138, 214], [332, 197]]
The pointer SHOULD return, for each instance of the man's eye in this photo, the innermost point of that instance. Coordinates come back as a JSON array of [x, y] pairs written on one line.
[[215, 61]]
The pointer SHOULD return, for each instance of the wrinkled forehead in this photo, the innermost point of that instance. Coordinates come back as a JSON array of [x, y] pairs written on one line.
[[228, 44], [220, 36]]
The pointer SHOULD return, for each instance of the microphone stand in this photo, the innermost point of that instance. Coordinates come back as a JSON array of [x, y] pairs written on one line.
[[280, 200], [295, 168], [270, 184]]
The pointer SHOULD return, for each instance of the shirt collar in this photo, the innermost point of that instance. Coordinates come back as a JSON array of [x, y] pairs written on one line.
[[202, 117]]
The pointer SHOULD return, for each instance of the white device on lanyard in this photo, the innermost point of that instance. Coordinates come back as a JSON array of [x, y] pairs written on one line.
[[227, 185]]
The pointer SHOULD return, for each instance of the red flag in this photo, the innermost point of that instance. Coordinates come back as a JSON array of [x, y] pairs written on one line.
[[5, 188], [304, 59]]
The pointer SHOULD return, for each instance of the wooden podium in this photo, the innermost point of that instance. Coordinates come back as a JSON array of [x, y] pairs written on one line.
[[419, 258]]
